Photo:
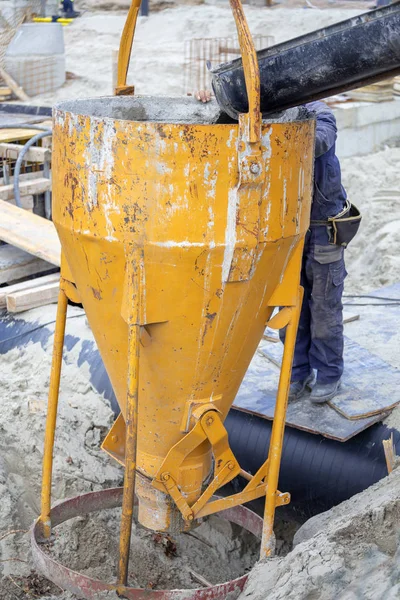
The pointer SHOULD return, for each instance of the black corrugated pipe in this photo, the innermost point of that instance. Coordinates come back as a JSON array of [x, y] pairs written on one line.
[[344, 56], [318, 472]]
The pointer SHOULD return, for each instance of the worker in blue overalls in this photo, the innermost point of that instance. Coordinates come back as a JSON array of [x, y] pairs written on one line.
[[68, 9], [319, 344]]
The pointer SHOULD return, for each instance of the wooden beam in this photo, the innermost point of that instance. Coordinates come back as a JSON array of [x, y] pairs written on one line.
[[18, 134], [5, 94], [16, 264], [25, 177], [27, 299], [349, 317], [29, 232], [12, 151], [12, 84], [26, 188], [26, 202], [26, 285], [390, 453]]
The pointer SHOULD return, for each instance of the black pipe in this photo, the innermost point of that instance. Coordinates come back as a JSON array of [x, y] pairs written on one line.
[[318, 472], [344, 56]]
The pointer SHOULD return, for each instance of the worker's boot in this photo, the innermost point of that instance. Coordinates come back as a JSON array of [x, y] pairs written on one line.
[[322, 392], [299, 388]]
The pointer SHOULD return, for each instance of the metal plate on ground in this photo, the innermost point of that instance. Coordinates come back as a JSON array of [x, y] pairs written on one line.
[[362, 400]]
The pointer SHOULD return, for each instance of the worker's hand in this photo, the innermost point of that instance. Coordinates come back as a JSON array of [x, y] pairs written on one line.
[[203, 96]]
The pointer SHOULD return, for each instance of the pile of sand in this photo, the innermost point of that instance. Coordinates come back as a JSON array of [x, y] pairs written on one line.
[[373, 184], [79, 464], [351, 552]]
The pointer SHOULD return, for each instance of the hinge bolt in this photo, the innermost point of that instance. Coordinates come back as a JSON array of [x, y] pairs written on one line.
[[209, 421], [255, 168], [231, 466], [165, 476]]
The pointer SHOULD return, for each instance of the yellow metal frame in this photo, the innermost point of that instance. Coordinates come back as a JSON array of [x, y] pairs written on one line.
[[208, 426], [134, 280], [52, 412], [67, 292]]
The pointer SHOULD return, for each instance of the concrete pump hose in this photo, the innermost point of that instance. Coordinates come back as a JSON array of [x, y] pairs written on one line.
[[44, 132]]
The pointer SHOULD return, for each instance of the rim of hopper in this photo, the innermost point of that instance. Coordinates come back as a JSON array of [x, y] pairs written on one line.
[[86, 587], [163, 110]]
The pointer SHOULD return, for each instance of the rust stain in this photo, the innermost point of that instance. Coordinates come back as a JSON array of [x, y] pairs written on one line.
[[253, 232], [96, 293], [209, 321]]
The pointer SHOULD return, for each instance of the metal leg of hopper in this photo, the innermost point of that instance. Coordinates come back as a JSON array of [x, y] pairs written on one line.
[[52, 412], [278, 427], [47, 194], [130, 453]]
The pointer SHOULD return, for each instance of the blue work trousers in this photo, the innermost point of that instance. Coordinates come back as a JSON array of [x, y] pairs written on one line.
[[319, 343]]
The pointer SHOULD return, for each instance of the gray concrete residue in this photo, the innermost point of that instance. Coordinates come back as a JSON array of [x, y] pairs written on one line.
[[162, 109]]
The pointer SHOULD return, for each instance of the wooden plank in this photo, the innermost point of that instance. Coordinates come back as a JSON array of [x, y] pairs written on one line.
[[24, 176], [27, 299], [27, 202], [16, 264], [29, 232], [350, 318], [26, 285], [12, 84], [390, 453], [17, 134], [12, 151], [26, 188], [5, 94]]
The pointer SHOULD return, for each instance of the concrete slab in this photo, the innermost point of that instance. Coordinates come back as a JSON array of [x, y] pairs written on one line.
[[364, 126]]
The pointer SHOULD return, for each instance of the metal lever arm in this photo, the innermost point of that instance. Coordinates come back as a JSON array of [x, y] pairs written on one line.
[[251, 72], [125, 49]]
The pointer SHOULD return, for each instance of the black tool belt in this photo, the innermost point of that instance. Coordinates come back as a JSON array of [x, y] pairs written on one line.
[[343, 227]]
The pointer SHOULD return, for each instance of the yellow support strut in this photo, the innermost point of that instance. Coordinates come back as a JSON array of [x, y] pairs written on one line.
[[52, 412], [134, 258], [278, 427]]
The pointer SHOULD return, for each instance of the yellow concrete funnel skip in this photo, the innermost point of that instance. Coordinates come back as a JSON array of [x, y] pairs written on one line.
[[180, 235], [163, 203]]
